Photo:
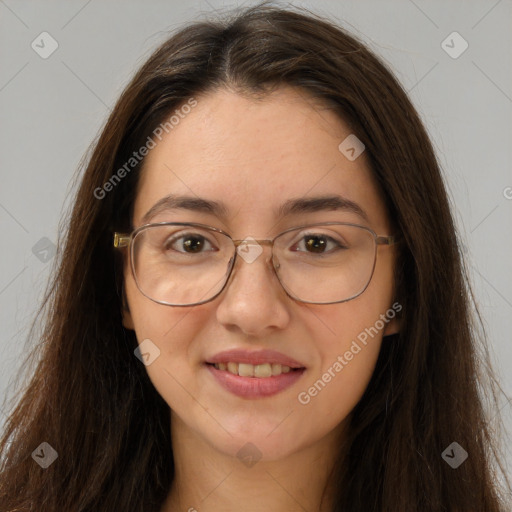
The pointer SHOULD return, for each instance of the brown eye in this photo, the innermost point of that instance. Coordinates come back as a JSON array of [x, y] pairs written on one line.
[[188, 243], [316, 244]]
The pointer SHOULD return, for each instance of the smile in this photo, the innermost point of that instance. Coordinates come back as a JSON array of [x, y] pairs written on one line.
[[257, 371], [260, 382]]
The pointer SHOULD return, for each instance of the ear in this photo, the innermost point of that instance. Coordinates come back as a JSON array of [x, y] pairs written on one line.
[[127, 320], [127, 316], [392, 327]]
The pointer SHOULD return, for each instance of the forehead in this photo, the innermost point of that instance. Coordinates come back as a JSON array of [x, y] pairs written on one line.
[[253, 155]]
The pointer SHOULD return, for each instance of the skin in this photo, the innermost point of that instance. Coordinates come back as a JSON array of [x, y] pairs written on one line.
[[254, 155]]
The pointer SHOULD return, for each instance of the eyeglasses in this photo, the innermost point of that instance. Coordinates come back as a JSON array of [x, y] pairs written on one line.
[[186, 264]]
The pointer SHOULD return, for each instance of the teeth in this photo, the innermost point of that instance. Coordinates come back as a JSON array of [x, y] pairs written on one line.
[[245, 370], [263, 370], [250, 370]]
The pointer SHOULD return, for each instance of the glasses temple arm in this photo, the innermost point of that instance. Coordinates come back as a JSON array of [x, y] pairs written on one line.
[[121, 240], [386, 240]]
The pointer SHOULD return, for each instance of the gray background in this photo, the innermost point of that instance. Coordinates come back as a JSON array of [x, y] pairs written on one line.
[[51, 109]]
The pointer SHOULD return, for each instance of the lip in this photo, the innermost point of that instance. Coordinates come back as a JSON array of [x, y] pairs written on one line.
[[255, 387], [254, 357]]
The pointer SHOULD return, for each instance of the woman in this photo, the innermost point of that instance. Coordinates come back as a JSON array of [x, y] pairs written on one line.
[[260, 303]]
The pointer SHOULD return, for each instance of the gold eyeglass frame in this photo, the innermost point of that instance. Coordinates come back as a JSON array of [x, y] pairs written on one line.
[[123, 240]]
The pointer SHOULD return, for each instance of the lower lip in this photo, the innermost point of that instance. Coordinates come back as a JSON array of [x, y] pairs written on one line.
[[255, 387]]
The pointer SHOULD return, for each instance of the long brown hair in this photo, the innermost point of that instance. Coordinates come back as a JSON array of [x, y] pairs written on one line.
[[91, 399]]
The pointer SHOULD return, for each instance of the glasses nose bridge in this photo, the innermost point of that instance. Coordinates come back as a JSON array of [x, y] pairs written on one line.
[[252, 241], [265, 241], [274, 265], [272, 261]]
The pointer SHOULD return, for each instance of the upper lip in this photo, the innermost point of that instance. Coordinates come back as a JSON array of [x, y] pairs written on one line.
[[254, 357]]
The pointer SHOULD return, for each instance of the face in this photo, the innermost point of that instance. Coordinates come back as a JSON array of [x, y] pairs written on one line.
[[253, 156]]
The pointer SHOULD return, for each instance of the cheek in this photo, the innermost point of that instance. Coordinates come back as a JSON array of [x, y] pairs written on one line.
[[346, 367], [349, 348], [168, 335], [156, 321]]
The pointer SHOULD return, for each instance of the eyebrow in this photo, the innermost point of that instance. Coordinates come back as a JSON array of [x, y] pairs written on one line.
[[290, 207]]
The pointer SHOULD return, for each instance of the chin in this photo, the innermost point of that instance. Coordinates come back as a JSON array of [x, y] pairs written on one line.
[[261, 443]]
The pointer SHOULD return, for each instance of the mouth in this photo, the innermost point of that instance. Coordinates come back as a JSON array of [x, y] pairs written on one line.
[[254, 374], [257, 371], [262, 378]]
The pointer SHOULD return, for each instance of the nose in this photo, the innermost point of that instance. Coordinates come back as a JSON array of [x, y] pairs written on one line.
[[253, 299]]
